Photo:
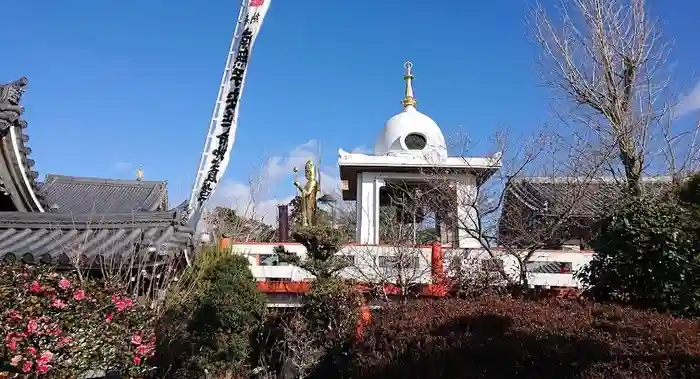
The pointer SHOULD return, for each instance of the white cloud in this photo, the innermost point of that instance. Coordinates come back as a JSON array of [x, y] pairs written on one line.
[[362, 149], [688, 103], [122, 166], [330, 183], [259, 198], [278, 167]]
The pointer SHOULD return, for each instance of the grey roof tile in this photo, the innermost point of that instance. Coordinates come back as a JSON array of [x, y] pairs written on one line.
[[588, 198], [70, 194], [583, 201], [53, 237]]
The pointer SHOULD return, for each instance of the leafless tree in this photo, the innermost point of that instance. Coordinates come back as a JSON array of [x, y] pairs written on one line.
[[506, 238], [607, 63], [146, 272], [402, 261], [241, 220]]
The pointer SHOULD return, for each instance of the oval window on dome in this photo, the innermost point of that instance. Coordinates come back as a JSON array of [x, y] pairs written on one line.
[[415, 141]]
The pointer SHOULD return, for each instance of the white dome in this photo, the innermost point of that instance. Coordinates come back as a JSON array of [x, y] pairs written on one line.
[[411, 133]]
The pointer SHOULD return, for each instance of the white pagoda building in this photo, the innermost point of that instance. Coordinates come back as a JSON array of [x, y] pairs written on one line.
[[410, 145]]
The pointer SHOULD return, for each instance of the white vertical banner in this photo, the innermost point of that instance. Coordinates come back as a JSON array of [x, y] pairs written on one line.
[[219, 142]]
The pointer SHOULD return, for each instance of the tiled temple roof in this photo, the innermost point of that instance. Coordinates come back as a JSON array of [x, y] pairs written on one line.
[[71, 216], [582, 199], [53, 237], [70, 194], [589, 198]]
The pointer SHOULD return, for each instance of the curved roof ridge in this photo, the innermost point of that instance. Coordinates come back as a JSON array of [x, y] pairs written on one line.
[[575, 179], [25, 190], [97, 181]]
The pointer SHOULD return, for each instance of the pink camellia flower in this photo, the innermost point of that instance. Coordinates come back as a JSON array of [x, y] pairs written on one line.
[[42, 368], [32, 326], [58, 303], [79, 295], [27, 366], [136, 339], [121, 303], [15, 360], [11, 340], [14, 315], [137, 360], [32, 350], [45, 357], [145, 350], [35, 287], [108, 318], [64, 284]]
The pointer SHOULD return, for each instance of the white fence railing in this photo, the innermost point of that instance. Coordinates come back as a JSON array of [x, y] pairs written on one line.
[[392, 263]]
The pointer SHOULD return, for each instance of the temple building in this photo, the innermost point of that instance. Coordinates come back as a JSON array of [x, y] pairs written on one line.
[[409, 149], [67, 217], [563, 212]]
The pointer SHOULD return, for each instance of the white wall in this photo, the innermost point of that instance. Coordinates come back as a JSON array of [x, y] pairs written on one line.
[[472, 260], [368, 266]]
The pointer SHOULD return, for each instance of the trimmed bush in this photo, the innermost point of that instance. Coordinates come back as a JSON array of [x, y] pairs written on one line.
[[211, 319], [647, 257], [54, 325], [496, 337]]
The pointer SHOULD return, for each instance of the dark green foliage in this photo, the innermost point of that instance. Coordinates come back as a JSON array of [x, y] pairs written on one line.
[[315, 336], [322, 243], [330, 296], [500, 337], [689, 192], [210, 325], [331, 305], [647, 256], [427, 236]]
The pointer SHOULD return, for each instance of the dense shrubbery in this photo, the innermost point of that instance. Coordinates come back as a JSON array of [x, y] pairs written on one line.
[[317, 335], [211, 319], [55, 325], [496, 337], [648, 254]]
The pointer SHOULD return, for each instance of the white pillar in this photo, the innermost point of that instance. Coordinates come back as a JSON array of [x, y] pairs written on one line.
[[467, 223], [359, 206], [367, 229]]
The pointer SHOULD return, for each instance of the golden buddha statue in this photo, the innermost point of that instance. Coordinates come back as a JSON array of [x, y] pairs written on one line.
[[308, 195]]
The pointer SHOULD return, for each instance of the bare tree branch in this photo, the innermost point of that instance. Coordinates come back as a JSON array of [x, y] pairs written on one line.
[[607, 61]]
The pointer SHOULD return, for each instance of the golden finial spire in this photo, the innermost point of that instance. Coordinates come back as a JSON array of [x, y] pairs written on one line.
[[139, 173], [408, 99]]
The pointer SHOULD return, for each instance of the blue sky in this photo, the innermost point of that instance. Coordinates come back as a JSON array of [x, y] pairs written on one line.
[[120, 84]]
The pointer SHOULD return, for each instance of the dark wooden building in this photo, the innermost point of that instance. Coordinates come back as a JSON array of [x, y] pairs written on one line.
[[65, 217], [562, 212]]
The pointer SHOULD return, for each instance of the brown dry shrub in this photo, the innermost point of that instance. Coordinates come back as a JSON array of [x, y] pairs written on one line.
[[500, 337]]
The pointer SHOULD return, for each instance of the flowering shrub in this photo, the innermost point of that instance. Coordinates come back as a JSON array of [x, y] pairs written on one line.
[[52, 325]]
